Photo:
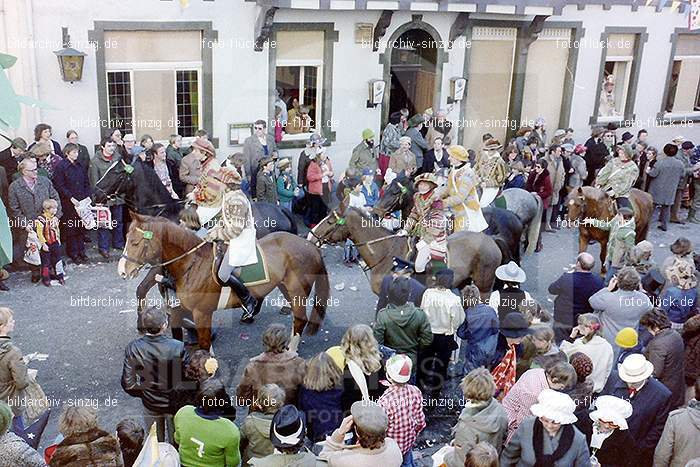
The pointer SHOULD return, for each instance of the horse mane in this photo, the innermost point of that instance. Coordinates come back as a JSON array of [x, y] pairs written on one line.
[[593, 193], [371, 221], [175, 233]]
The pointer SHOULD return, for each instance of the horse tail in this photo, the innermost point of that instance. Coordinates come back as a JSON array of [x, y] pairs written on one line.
[[505, 249], [292, 222], [533, 229], [322, 292]]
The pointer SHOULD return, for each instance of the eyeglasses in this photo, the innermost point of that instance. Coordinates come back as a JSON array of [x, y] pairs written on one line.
[[31, 170], [259, 128]]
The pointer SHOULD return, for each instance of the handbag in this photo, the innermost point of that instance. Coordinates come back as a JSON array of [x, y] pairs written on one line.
[[462, 329], [31, 254], [35, 400]]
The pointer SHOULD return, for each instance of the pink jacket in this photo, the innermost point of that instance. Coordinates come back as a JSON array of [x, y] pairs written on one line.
[[314, 175]]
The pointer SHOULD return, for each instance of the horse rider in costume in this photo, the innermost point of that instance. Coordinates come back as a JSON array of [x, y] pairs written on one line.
[[427, 222], [460, 195], [618, 176], [491, 170], [220, 188]]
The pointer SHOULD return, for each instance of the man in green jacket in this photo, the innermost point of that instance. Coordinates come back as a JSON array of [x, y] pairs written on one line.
[[364, 155], [401, 325], [204, 437]]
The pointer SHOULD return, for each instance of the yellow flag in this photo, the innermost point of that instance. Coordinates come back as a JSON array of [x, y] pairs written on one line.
[[184, 3]]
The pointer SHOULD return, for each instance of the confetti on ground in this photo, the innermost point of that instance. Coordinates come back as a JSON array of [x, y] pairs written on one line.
[[126, 311], [244, 336], [353, 288], [340, 286]]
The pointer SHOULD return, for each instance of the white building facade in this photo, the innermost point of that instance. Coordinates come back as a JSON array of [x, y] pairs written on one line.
[[167, 66]]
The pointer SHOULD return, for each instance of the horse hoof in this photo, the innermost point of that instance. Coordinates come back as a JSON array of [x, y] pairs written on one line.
[[247, 320]]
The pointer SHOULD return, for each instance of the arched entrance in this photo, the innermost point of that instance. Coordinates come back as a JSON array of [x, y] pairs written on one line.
[[412, 60], [413, 71]]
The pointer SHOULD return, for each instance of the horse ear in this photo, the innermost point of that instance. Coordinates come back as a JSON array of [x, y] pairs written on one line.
[[580, 190], [343, 204], [136, 217]]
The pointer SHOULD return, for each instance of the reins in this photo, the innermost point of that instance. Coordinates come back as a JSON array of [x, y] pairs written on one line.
[[148, 235]]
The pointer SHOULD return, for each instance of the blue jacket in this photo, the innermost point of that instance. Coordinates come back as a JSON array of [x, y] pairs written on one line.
[[678, 304], [71, 180], [516, 182], [572, 290], [323, 411], [371, 195], [416, 295], [480, 336], [650, 408]]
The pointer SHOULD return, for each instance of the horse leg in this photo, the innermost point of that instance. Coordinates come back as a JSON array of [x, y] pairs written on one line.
[[603, 254], [296, 293], [202, 320], [582, 242], [146, 284]]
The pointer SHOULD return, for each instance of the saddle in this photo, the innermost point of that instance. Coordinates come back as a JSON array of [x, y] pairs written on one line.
[[252, 274]]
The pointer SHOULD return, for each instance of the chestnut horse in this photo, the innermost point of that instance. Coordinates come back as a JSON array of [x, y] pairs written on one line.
[[592, 202], [472, 256], [294, 265]]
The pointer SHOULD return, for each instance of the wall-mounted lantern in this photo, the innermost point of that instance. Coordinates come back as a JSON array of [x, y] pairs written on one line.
[[457, 88], [70, 60], [376, 93]]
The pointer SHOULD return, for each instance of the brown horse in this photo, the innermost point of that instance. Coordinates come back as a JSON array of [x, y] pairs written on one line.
[[471, 255], [294, 265], [593, 202]]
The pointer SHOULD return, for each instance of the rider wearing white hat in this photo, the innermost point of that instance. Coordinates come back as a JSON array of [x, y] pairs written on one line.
[[511, 296]]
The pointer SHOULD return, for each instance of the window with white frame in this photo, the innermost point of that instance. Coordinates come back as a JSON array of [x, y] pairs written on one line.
[[154, 82], [298, 80], [683, 93], [617, 71]]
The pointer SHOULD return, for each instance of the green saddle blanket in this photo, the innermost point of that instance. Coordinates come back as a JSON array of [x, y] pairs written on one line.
[[500, 202], [255, 274]]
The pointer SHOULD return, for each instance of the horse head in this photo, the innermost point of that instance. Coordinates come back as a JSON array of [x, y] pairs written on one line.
[[334, 227], [143, 245], [116, 181], [396, 196], [577, 205]]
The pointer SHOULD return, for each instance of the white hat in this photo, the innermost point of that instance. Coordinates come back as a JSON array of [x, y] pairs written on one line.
[[612, 409], [510, 272], [556, 406], [678, 139], [398, 368], [635, 368]]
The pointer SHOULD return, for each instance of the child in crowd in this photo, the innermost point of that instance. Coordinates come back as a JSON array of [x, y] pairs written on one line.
[[403, 404], [369, 189], [286, 185], [266, 188], [356, 199], [50, 240], [255, 431], [320, 396], [627, 340], [678, 301], [620, 240]]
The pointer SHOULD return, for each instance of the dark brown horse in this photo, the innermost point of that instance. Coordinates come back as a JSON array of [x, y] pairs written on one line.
[[294, 265], [592, 202], [472, 256]]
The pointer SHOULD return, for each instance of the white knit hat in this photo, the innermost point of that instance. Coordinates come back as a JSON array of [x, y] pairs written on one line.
[[612, 409], [556, 406], [398, 368]]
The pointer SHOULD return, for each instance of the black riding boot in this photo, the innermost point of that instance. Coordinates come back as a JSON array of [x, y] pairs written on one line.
[[248, 302]]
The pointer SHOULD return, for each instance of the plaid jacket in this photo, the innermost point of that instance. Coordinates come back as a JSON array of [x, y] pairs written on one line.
[[403, 404]]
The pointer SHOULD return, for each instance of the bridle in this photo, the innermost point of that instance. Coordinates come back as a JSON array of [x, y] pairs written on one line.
[[341, 221], [128, 170], [148, 236]]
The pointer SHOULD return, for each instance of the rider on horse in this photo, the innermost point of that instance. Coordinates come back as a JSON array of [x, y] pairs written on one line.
[[459, 195], [221, 187], [618, 176], [492, 171], [427, 222]]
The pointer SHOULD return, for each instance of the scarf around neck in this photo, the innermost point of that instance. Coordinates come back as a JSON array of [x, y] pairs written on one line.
[[565, 441]]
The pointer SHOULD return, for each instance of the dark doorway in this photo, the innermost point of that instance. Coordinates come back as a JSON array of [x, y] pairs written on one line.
[[413, 60]]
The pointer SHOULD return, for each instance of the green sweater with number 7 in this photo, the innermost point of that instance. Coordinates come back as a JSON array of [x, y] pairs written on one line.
[[206, 440]]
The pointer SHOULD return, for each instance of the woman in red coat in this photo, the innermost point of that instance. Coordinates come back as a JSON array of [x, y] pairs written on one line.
[[314, 191], [540, 183]]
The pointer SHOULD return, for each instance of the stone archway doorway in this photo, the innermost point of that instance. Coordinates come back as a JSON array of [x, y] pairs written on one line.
[[413, 71]]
